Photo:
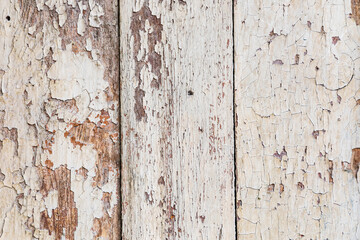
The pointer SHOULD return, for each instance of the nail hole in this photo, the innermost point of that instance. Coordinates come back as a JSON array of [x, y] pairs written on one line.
[[8, 18], [190, 93]]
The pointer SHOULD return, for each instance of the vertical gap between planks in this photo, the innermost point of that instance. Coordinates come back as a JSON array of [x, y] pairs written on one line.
[[234, 115], [119, 112]]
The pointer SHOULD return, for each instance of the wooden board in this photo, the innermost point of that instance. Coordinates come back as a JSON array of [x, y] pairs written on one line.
[[177, 120], [298, 134], [59, 131]]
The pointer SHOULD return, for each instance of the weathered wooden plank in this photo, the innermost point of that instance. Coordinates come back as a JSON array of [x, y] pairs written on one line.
[[297, 96], [59, 147], [176, 119]]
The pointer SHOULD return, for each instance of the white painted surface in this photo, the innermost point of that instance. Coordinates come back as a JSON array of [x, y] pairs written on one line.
[[297, 82], [59, 145], [177, 120]]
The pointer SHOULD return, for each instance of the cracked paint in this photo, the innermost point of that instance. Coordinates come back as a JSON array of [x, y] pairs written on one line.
[[297, 82], [59, 144]]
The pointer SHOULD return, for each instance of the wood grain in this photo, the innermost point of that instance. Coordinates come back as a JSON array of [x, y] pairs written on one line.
[[59, 126], [176, 120]]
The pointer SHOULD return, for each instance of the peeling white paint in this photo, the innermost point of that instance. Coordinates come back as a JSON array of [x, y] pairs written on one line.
[[81, 22], [51, 201], [71, 74], [96, 12], [296, 82], [64, 152], [44, 91]]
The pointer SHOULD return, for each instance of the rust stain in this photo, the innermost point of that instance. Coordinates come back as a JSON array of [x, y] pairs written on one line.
[[64, 219], [355, 8], [355, 161], [151, 59]]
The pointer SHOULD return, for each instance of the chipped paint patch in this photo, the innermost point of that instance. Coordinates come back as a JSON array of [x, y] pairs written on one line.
[[72, 74], [64, 218], [57, 81], [146, 30]]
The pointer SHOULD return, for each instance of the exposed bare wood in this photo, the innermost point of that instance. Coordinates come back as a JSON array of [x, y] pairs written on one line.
[[177, 127], [59, 147]]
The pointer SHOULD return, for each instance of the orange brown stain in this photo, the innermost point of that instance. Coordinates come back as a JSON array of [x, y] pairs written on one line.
[[49, 163], [89, 133], [48, 145]]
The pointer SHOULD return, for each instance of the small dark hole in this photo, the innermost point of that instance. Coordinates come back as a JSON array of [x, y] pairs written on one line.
[[8, 18], [190, 93]]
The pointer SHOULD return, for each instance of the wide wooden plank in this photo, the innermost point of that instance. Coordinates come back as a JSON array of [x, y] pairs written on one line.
[[59, 131], [177, 120], [298, 135]]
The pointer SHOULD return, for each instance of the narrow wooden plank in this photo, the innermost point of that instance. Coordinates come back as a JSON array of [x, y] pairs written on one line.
[[298, 136], [59, 128], [176, 120]]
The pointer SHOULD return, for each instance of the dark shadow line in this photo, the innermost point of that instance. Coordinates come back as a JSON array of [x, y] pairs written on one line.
[[119, 112], [234, 116]]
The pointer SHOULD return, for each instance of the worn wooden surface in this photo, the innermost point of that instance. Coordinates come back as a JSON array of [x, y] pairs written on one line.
[[177, 120], [59, 146], [297, 119], [298, 115]]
